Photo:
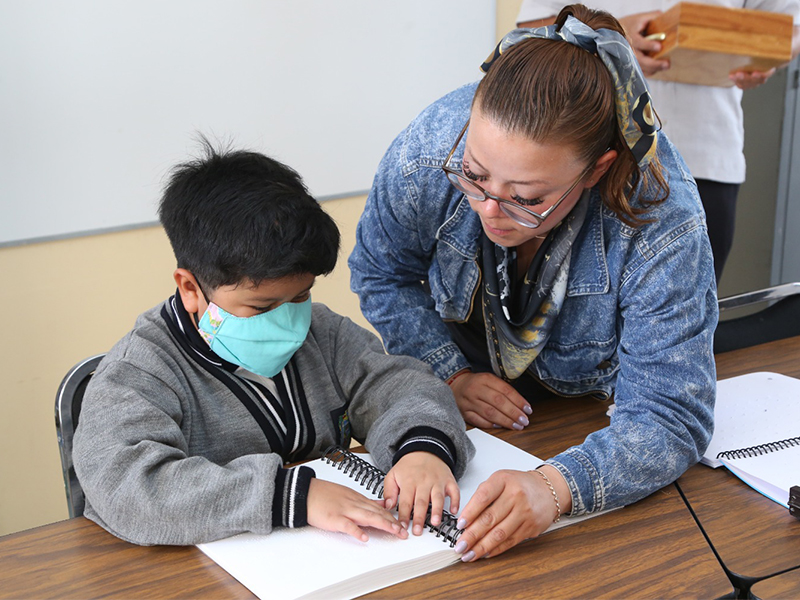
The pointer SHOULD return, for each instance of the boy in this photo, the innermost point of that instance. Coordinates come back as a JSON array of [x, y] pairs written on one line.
[[189, 420]]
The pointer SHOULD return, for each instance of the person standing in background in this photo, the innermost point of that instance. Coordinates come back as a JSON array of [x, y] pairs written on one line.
[[705, 123]]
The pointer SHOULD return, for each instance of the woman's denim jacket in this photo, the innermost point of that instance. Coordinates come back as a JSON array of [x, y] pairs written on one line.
[[638, 320]]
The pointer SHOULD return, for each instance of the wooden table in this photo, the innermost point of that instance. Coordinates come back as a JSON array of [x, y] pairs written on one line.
[[754, 537], [78, 559], [652, 549], [785, 585]]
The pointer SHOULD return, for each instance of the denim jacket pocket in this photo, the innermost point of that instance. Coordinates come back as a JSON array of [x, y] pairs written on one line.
[[452, 296], [581, 367]]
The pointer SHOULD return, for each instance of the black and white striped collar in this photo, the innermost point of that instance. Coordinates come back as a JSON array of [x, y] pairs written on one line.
[[183, 328]]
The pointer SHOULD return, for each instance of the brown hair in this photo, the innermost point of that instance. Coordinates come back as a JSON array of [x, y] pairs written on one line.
[[551, 91]]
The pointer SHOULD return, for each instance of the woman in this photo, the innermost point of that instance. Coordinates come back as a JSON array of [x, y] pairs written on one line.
[[562, 250]]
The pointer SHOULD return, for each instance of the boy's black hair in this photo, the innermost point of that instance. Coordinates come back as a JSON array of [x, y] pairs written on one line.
[[239, 216]]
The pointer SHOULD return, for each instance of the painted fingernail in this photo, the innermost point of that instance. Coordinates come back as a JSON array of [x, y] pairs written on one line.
[[460, 546], [496, 426], [517, 426], [468, 556], [527, 409], [524, 421], [462, 523]]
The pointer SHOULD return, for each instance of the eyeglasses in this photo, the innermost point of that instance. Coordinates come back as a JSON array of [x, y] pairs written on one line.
[[522, 215]]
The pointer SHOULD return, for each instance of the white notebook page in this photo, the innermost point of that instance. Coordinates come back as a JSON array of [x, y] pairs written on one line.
[[292, 563], [753, 409]]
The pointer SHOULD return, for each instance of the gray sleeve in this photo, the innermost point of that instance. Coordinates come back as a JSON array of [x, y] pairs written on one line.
[[391, 395], [132, 460]]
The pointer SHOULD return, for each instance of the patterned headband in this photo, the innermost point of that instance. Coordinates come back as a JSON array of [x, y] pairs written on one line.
[[635, 114]]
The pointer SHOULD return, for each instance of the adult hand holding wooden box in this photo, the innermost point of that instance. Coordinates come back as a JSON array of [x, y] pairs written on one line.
[[705, 43]]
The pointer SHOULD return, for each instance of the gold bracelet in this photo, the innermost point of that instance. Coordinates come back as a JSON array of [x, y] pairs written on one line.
[[553, 491]]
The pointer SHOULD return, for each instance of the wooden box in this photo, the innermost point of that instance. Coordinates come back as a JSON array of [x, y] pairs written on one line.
[[705, 43]]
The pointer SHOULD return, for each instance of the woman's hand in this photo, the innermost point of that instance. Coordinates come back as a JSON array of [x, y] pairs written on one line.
[[333, 507], [508, 508], [485, 400], [417, 480]]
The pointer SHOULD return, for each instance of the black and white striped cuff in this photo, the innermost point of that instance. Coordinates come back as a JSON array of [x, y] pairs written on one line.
[[427, 439], [290, 502]]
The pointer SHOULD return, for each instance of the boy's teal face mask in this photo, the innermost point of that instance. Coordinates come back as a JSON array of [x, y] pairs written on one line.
[[262, 344]]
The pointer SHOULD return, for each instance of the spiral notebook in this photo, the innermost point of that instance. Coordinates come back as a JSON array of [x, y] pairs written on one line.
[[757, 432], [311, 563]]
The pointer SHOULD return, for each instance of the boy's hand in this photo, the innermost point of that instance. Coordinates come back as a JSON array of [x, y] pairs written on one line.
[[417, 480], [333, 507]]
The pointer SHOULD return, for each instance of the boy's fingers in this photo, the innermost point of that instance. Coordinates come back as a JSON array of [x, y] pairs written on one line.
[[379, 519], [436, 506], [455, 496], [350, 528], [404, 508], [390, 493], [420, 513]]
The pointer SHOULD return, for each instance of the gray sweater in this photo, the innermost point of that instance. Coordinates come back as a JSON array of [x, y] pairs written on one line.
[[168, 452]]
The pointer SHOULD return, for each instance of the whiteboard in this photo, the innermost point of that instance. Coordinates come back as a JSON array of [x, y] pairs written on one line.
[[99, 99]]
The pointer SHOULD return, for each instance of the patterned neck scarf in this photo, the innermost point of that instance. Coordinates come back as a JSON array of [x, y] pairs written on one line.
[[519, 316], [635, 115]]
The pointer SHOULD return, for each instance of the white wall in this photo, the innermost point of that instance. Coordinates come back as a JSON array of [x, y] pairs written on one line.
[[101, 97]]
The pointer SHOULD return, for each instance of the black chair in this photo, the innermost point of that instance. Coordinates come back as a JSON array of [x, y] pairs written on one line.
[[68, 409], [779, 320]]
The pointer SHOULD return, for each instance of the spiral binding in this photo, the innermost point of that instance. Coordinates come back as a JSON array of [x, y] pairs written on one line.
[[760, 449], [367, 475], [371, 477]]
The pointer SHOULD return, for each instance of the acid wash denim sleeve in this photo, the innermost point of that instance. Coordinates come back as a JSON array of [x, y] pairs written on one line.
[[399, 243], [637, 322]]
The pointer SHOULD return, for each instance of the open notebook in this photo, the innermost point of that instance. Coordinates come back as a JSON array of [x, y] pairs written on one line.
[[311, 563], [757, 432]]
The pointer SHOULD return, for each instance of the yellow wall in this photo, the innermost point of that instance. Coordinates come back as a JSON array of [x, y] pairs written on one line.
[[506, 17]]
